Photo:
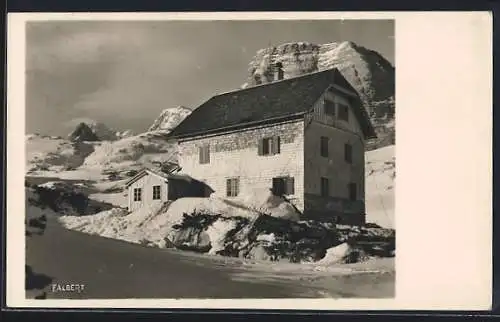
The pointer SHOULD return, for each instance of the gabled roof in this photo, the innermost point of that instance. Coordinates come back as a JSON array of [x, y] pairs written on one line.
[[271, 102], [162, 175], [145, 172]]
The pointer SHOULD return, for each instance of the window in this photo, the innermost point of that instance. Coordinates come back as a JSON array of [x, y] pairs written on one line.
[[156, 192], [343, 112], [137, 194], [232, 187], [348, 153], [269, 146], [325, 187], [204, 154], [353, 191], [329, 107], [324, 146], [283, 186]]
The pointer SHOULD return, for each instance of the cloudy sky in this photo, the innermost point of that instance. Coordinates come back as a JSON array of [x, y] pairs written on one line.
[[125, 73]]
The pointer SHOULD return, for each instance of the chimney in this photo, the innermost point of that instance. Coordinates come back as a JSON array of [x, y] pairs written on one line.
[[278, 71]]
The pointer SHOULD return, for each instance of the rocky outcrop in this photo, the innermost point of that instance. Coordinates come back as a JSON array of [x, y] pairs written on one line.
[[83, 133], [276, 239], [366, 70], [170, 118]]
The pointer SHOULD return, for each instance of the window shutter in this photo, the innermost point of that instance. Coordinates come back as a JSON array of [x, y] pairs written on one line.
[[228, 187], [277, 145], [290, 186], [261, 147], [200, 152]]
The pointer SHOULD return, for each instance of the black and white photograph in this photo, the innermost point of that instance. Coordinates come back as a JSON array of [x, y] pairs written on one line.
[[206, 159], [198, 159]]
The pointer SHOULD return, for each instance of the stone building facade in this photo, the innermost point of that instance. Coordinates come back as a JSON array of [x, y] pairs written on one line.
[[313, 155]]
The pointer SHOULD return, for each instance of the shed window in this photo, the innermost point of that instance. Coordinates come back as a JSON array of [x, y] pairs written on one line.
[[325, 187], [329, 107], [283, 186], [156, 192], [204, 154], [348, 153], [232, 187], [269, 146], [137, 194], [343, 112], [324, 146], [353, 191]]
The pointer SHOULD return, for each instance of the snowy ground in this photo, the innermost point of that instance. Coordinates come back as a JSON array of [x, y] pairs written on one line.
[[88, 167], [380, 186], [113, 269]]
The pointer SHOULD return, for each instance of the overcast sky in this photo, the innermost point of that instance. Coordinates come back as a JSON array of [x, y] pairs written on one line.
[[125, 73]]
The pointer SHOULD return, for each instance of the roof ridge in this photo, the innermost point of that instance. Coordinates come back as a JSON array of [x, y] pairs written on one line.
[[276, 81]]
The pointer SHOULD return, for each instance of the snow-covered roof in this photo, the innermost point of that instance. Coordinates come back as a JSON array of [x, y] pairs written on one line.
[[163, 175]]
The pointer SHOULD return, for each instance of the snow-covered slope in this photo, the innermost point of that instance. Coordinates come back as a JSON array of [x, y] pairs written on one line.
[[380, 186], [170, 118], [103, 132], [54, 153], [135, 151], [366, 70]]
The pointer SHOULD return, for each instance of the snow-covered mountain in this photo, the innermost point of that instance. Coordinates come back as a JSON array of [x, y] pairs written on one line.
[[366, 70], [170, 118], [102, 131]]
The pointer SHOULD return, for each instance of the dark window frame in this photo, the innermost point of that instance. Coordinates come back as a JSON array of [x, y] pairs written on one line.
[[343, 112], [329, 107], [283, 186], [157, 192], [137, 194], [204, 154], [232, 187], [348, 153], [269, 146], [324, 146], [325, 187], [353, 191]]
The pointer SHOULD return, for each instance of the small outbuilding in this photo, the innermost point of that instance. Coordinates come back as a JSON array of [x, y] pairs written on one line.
[[149, 187]]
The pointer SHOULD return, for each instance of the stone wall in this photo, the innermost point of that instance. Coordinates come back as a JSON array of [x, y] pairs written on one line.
[[236, 155]]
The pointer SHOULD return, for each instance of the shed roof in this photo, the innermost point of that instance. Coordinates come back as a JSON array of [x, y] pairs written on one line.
[[271, 102]]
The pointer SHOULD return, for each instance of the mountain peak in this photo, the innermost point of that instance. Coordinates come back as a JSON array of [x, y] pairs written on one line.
[[83, 132], [169, 118], [366, 70]]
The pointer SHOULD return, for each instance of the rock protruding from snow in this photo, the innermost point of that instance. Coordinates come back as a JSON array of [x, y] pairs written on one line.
[[170, 118], [103, 132], [124, 134], [367, 71], [82, 133]]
